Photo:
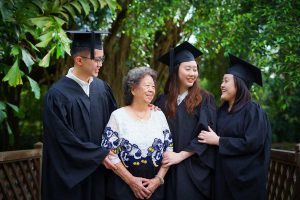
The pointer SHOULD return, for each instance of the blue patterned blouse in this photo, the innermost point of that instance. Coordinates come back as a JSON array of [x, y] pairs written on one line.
[[137, 143]]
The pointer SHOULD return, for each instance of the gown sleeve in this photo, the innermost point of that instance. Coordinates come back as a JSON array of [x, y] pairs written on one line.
[[208, 116], [255, 127], [73, 159], [111, 139]]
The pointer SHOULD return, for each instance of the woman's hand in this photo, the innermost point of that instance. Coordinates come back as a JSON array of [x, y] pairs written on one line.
[[139, 190], [209, 137], [153, 107], [151, 185], [171, 158]]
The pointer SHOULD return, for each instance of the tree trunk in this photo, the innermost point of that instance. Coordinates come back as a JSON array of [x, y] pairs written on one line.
[[116, 49], [163, 42]]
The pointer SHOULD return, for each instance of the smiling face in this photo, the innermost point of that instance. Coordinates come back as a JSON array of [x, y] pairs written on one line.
[[144, 92], [187, 74], [87, 67], [228, 89]]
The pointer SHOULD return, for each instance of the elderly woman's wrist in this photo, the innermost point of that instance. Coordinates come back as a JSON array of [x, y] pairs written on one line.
[[130, 180], [160, 179]]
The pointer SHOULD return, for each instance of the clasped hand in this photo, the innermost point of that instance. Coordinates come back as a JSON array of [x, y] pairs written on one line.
[[143, 188]]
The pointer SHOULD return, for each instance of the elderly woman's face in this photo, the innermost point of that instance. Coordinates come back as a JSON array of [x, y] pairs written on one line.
[[145, 91]]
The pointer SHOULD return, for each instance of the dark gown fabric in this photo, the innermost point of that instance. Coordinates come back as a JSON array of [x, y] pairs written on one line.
[[72, 153], [244, 152], [192, 178]]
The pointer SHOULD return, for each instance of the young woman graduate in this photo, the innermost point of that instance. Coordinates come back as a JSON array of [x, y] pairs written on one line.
[[77, 108], [189, 110], [243, 137]]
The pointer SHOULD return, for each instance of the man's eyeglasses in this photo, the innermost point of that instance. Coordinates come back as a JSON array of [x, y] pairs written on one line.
[[97, 60]]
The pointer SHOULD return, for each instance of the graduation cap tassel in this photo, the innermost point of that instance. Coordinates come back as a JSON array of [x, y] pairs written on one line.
[[92, 45]]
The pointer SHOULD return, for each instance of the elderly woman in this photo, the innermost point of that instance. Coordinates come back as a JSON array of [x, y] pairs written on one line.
[[243, 136], [138, 136]]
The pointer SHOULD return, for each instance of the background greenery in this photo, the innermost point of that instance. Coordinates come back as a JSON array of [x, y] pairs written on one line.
[[34, 51]]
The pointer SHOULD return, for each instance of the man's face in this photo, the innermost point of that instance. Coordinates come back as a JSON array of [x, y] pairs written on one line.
[[92, 66]]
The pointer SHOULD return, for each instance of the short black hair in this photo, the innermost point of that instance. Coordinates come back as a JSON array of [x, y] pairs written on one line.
[[76, 50]]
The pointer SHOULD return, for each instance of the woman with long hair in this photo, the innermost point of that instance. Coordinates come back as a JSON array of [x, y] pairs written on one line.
[[189, 109], [243, 137]]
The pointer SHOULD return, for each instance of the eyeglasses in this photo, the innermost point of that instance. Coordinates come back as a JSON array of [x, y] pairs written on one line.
[[97, 60]]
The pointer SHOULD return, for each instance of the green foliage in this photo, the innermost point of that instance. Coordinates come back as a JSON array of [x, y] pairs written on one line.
[[33, 36], [266, 33], [14, 75]]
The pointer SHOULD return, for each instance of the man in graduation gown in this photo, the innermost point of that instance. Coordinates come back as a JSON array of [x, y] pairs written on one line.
[[243, 137], [76, 110]]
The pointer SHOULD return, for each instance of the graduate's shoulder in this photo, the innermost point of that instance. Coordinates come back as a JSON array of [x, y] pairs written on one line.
[[208, 99], [254, 109], [102, 84], [160, 100], [252, 105], [59, 87]]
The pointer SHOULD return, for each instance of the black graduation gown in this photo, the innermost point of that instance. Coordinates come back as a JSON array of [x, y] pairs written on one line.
[[244, 152], [72, 154], [192, 178]]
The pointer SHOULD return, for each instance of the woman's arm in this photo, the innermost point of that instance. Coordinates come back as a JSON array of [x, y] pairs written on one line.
[[173, 158]]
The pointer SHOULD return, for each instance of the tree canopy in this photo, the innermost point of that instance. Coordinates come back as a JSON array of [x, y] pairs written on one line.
[[34, 49]]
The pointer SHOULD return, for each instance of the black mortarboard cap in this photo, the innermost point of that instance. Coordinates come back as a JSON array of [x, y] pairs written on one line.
[[184, 52], [244, 70], [87, 39]]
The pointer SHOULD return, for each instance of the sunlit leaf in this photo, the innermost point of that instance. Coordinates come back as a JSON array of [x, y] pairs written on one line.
[[45, 39], [9, 133], [65, 15], [55, 6], [14, 107], [95, 4], [65, 41], [85, 6], [2, 116], [15, 50], [46, 60], [70, 9], [27, 58], [59, 21], [76, 5], [14, 75], [102, 3], [32, 45], [2, 105], [113, 4], [34, 87], [41, 21]]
